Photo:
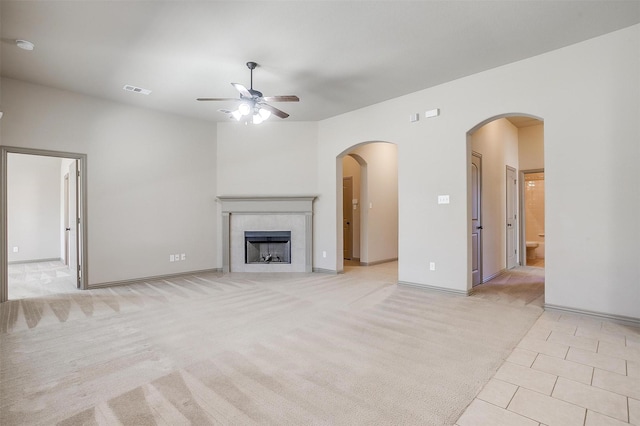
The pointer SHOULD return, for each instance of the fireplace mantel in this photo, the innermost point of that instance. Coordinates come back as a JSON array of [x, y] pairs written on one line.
[[276, 211]]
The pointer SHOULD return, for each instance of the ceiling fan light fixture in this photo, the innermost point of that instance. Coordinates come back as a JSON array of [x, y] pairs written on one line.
[[264, 113], [257, 119], [236, 114], [244, 108]]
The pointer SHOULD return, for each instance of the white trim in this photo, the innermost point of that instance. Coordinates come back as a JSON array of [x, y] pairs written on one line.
[[154, 278], [593, 314], [434, 288]]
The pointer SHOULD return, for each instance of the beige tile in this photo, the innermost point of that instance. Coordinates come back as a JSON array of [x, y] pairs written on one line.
[[632, 343], [633, 369], [555, 326], [538, 333], [627, 330], [498, 392], [634, 411], [547, 410], [592, 398], [580, 320], [599, 334], [597, 360], [597, 419], [619, 351], [526, 377], [548, 348], [550, 316], [624, 385], [522, 357], [480, 413], [560, 367], [586, 343]]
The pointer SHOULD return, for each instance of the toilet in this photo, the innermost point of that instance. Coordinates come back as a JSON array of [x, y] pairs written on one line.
[[531, 249]]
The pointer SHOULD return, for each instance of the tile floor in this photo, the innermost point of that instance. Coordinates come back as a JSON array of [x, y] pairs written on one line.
[[568, 370]]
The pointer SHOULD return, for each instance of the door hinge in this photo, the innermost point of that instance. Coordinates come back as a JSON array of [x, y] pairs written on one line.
[[78, 173], [78, 221]]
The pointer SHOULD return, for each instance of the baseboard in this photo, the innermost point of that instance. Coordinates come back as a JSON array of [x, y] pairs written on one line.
[[53, 259], [153, 278], [490, 277], [325, 271], [378, 262], [599, 315], [434, 288]]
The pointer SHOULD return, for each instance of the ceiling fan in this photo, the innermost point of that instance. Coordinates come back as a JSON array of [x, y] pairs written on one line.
[[253, 105]]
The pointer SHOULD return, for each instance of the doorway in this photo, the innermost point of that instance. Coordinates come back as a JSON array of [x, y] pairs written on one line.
[[506, 144], [39, 243], [532, 217], [367, 205]]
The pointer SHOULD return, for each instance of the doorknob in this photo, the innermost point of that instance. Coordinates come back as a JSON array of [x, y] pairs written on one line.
[[67, 229], [478, 227]]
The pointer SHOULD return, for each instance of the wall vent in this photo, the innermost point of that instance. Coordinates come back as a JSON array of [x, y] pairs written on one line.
[[135, 89]]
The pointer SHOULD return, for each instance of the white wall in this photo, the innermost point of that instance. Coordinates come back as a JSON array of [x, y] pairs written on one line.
[[497, 142], [589, 97], [151, 177], [531, 147], [273, 158], [33, 195]]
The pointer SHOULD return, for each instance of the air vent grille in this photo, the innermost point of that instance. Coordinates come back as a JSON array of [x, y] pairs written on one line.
[[130, 88]]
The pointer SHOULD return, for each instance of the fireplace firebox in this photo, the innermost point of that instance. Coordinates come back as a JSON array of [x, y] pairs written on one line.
[[267, 247]]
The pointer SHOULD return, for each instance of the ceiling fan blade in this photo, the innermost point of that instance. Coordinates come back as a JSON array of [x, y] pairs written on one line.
[[243, 90], [286, 98], [217, 99], [275, 111], [225, 111]]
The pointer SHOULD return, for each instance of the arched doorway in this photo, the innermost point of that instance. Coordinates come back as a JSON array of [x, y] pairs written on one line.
[[367, 204], [499, 150]]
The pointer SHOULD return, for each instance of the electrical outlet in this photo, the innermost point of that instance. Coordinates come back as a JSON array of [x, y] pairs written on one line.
[[177, 257], [324, 254], [172, 258], [15, 249], [432, 266], [443, 199], [183, 256]]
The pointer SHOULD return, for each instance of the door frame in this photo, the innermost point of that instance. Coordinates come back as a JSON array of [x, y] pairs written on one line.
[[516, 223], [348, 207], [522, 232], [83, 253], [480, 248]]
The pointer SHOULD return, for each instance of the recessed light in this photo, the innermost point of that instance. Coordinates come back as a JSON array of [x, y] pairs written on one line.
[[24, 44]]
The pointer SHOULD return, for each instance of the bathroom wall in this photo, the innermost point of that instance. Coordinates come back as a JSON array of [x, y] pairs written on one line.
[[534, 210]]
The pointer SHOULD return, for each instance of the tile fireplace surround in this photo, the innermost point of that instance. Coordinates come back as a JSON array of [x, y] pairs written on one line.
[[243, 213]]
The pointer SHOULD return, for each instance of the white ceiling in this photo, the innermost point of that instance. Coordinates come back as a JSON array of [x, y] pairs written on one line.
[[337, 56]]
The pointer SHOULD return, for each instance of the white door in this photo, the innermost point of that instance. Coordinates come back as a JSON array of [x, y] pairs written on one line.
[[512, 200], [476, 216], [347, 217], [74, 227]]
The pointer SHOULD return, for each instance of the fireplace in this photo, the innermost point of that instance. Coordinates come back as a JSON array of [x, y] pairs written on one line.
[[262, 220], [267, 247]]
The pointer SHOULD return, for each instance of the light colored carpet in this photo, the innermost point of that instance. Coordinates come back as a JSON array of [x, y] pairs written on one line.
[[253, 349]]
